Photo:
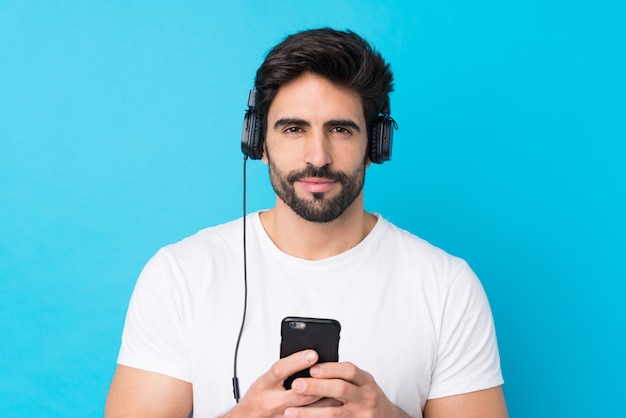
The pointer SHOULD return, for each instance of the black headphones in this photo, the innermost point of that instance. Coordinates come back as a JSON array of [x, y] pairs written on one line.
[[380, 137]]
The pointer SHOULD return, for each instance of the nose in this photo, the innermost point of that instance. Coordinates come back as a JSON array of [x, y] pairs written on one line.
[[318, 149]]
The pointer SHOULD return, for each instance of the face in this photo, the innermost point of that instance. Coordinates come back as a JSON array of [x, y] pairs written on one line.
[[315, 146]]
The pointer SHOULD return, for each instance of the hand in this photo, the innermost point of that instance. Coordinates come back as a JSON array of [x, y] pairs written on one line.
[[267, 398], [347, 391]]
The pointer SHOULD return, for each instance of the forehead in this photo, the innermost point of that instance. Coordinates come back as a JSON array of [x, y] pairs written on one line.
[[313, 97]]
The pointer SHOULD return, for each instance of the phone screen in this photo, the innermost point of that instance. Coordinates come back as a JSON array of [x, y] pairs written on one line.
[[321, 335]]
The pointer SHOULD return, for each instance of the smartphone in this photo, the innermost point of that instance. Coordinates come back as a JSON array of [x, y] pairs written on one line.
[[321, 335]]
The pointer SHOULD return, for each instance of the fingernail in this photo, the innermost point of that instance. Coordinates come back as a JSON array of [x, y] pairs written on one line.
[[290, 413], [309, 356], [298, 385], [315, 370]]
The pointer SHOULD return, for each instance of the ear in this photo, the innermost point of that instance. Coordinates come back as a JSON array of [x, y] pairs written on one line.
[[264, 157]]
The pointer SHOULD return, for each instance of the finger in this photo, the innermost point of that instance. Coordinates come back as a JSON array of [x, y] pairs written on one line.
[[324, 402], [315, 412], [338, 389], [344, 371], [287, 366]]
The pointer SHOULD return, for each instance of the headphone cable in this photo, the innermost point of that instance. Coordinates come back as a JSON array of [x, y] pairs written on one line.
[[236, 391]]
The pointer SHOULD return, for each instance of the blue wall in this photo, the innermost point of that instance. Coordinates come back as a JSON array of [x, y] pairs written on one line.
[[119, 133]]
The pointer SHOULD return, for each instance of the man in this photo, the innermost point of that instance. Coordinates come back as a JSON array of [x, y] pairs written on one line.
[[417, 333]]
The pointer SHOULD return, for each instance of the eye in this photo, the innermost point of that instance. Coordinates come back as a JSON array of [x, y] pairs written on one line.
[[341, 130], [293, 130]]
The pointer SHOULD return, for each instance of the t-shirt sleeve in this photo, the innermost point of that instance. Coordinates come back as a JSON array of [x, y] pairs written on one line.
[[468, 358], [156, 331]]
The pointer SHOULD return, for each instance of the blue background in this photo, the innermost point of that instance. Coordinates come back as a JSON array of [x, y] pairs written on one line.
[[119, 133]]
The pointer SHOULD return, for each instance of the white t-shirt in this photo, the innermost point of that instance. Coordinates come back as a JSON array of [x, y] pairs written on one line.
[[413, 316]]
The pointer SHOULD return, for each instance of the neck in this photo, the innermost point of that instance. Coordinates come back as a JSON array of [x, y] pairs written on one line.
[[315, 241]]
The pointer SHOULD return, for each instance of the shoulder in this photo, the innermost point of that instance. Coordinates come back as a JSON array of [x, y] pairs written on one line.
[[197, 255], [183, 270], [416, 250], [218, 235], [417, 262], [210, 241]]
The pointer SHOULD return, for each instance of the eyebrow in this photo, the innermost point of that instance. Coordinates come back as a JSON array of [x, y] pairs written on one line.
[[290, 121], [301, 122]]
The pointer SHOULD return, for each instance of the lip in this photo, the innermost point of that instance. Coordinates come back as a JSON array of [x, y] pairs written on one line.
[[316, 184]]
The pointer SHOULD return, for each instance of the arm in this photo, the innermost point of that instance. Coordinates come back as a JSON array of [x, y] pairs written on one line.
[[139, 393], [487, 403]]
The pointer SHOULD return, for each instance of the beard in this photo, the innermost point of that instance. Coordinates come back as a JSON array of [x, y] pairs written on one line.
[[319, 209]]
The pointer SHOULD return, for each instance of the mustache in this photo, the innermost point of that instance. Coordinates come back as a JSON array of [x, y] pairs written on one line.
[[321, 172]]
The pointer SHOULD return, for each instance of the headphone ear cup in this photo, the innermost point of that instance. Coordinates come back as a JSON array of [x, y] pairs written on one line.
[[381, 139], [373, 146], [251, 139], [257, 138]]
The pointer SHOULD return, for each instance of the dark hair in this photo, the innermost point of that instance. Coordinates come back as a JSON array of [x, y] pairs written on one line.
[[342, 57]]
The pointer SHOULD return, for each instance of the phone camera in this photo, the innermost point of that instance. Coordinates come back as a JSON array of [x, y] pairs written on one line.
[[297, 324]]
